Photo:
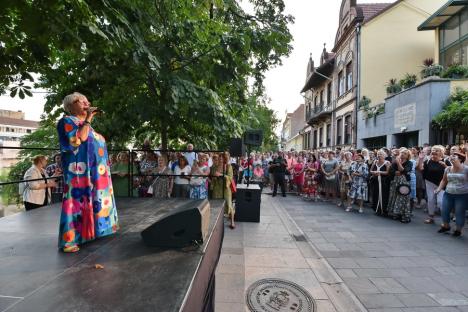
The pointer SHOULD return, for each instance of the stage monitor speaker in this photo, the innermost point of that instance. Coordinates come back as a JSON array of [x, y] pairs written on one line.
[[236, 148], [253, 137], [181, 226]]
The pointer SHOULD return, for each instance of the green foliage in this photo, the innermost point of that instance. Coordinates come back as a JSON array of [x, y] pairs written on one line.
[[370, 111], [265, 119], [393, 86], [455, 112], [456, 71], [430, 69], [408, 81], [177, 71]]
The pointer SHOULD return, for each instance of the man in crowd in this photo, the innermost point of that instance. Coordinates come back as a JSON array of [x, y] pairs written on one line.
[[190, 155], [279, 166]]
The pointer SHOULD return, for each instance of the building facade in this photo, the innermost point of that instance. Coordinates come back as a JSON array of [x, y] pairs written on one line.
[[330, 90], [292, 134], [13, 126], [407, 117]]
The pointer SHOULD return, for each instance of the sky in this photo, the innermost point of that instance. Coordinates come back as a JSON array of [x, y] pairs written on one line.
[[316, 22]]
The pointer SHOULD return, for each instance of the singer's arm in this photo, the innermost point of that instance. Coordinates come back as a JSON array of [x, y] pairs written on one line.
[[83, 132]]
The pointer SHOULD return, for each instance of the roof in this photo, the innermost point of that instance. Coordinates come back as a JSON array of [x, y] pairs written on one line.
[[371, 10], [319, 73], [19, 122], [448, 10]]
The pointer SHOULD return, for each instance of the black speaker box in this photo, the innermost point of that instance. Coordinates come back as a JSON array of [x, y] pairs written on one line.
[[236, 148], [181, 226], [248, 203], [253, 137]]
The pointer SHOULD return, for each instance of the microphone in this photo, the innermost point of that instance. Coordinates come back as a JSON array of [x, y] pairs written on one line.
[[96, 110]]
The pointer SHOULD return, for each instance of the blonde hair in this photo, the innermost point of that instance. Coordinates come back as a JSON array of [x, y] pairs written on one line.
[[406, 151], [69, 100], [440, 148], [37, 159]]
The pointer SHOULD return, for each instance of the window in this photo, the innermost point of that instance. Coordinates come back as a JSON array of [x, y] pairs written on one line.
[[321, 137], [339, 131], [28, 130], [340, 83], [452, 56], [349, 76], [451, 30], [329, 135], [347, 125], [321, 97], [329, 93], [315, 139], [464, 23]]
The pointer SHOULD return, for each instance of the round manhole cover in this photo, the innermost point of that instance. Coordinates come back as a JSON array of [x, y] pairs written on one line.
[[277, 295]]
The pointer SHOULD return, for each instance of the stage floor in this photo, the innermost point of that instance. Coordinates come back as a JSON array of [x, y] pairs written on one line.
[[35, 276]]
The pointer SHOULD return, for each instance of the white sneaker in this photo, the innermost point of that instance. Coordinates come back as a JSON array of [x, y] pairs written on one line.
[[361, 210], [349, 209], [339, 204]]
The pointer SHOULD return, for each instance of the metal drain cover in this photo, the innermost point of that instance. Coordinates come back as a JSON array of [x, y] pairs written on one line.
[[277, 295]]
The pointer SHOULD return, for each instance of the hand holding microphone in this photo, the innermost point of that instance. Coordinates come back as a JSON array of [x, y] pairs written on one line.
[[92, 111]]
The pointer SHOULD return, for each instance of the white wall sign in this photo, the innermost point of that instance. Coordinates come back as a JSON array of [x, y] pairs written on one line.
[[405, 116]]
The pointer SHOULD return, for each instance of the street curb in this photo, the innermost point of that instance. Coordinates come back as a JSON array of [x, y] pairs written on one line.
[[342, 298]]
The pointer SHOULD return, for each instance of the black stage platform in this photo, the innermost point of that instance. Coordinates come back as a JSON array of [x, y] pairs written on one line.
[[35, 276]]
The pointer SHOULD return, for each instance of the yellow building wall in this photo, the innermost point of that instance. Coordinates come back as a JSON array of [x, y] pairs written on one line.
[[391, 46], [462, 84]]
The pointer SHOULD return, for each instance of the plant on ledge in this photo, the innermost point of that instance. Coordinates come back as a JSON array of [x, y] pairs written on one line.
[[408, 81], [456, 71], [430, 69], [369, 112], [393, 86], [455, 112]]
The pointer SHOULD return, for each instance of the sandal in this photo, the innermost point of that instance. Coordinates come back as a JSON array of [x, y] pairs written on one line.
[[429, 221], [443, 229], [456, 233], [232, 226], [71, 249]]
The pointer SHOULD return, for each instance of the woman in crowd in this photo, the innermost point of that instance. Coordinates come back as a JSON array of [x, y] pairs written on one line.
[[344, 178], [163, 183], [358, 190], [433, 171], [312, 178], [148, 166], [198, 188], [221, 179], [37, 194], [329, 181], [298, 174], [380, 185], [420, 184], [182, 170], [455, 183], [399, 206], [120, 174], [88, 207]]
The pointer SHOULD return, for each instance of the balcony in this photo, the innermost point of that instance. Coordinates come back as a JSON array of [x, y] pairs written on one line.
[[318, 113]]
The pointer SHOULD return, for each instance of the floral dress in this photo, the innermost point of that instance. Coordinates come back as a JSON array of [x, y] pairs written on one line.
[[88, 207], [198, 189], [399, 204], [358, 189]]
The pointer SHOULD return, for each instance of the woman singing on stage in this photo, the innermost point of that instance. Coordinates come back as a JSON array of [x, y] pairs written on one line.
[[88, 207]]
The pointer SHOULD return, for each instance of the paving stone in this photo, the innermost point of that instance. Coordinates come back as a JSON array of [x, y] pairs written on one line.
[[274, 257], [380, 301], [431, 309], [417, 300], [229, 307], [343, 263], [420, 284], [346, 273], [449, 299], [361, 286], [231, 259], [388, 285], [325, 306], [370, 263], [381, 272]]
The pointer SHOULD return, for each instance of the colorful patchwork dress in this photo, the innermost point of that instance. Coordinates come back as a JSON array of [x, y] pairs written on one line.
[[88, 206]]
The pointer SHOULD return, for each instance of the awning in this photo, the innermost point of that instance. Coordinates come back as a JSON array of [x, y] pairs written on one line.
[[449, 9], [319, 75]]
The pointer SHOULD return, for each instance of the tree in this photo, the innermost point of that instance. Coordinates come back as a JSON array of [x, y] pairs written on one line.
[[180, 69], [455, 112]]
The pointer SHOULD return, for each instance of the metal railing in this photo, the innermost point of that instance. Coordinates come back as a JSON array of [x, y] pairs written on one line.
[[136, 179]]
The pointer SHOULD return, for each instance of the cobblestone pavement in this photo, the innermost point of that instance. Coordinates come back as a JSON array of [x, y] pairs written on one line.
[[350, 261]]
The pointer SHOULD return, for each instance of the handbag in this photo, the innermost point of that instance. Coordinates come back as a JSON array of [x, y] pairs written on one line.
[[330, 177], [233, 186]]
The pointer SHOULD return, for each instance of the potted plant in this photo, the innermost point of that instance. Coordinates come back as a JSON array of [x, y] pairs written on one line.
[[393, 86], [408, 81], [364, 102], [456, 71], [430, 69]]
